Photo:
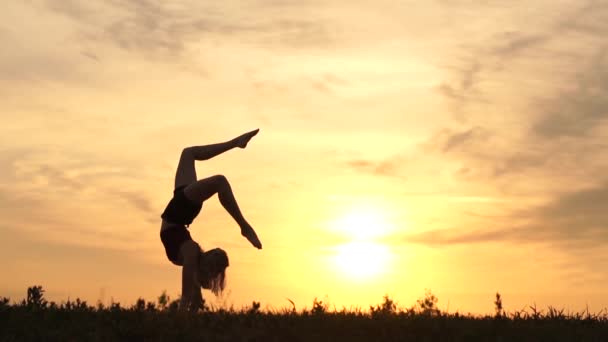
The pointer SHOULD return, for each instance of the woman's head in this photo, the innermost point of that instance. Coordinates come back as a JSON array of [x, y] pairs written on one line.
[[212, 270]]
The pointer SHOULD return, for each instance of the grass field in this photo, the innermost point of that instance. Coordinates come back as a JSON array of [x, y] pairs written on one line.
[[34, 319]]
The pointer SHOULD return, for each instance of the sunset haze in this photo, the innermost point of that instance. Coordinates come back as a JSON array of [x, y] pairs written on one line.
[[457, 146]]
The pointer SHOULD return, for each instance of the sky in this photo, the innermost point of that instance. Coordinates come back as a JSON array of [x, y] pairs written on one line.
[[450, 145]]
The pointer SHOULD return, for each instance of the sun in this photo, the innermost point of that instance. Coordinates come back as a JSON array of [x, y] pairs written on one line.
[[364, 257], [362, 261], [363, 223]]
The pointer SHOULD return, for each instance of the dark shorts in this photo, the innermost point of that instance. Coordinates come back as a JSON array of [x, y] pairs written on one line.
[[181, 210], [172, 239]]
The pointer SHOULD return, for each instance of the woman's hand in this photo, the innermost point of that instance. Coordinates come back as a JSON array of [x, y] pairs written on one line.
[[197, 301]]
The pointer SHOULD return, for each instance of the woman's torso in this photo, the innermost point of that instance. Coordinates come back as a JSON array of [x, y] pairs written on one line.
[[166, 225]]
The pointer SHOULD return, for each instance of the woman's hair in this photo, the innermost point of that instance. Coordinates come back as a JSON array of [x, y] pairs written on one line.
[[212, 270]]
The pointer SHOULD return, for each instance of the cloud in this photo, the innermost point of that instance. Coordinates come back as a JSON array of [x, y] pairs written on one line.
[[66, 197], [298, 33], [325, 83], [453, 237], [579, 112], [589, 19], [138, 199], [555, 147], [550, 39], [487, 154], [157, 28], [72, 8], [579, 215], [457, 140], [90, 55], [389, 167], [574, 221], [16, 66], [464, 88], [328, 82], [557, 124], [516, 42], [586, 18], [478, 150]]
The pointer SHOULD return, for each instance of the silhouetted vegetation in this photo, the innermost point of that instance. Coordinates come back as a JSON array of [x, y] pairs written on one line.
[[36, 319]]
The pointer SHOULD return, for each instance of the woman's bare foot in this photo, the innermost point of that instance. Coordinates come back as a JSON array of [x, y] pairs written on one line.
[[250, 235], [242, 140]]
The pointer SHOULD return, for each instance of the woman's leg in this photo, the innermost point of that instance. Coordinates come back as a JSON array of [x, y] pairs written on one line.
[[203, 189], [186, 173]]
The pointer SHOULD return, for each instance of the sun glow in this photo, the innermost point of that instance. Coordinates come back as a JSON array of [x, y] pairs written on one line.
[[363, 223], [362, 260]]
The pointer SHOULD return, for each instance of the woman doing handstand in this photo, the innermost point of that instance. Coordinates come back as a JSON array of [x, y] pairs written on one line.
[[199, 268]]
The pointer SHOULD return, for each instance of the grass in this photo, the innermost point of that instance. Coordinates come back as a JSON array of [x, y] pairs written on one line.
[[34, 319]]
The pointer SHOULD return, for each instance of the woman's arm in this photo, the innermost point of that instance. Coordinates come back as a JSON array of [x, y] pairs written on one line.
[[197, 300], [190, 286]]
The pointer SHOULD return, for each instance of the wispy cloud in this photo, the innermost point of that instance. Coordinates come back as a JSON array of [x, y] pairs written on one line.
[[55, 195], [581, 111], [573, 221], [587, 20], [90, 55], [457, 140], [390, 167], [328, 82], [160, 29], [138, 199], [479, 62], [560, 125], [578, 215], [554, 147], [464, 88], [513, 43]]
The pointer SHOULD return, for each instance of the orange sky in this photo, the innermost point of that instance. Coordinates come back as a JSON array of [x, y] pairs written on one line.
[[444, 145]]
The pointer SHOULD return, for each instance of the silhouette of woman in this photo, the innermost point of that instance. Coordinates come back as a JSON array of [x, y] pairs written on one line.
[[199, 268]]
